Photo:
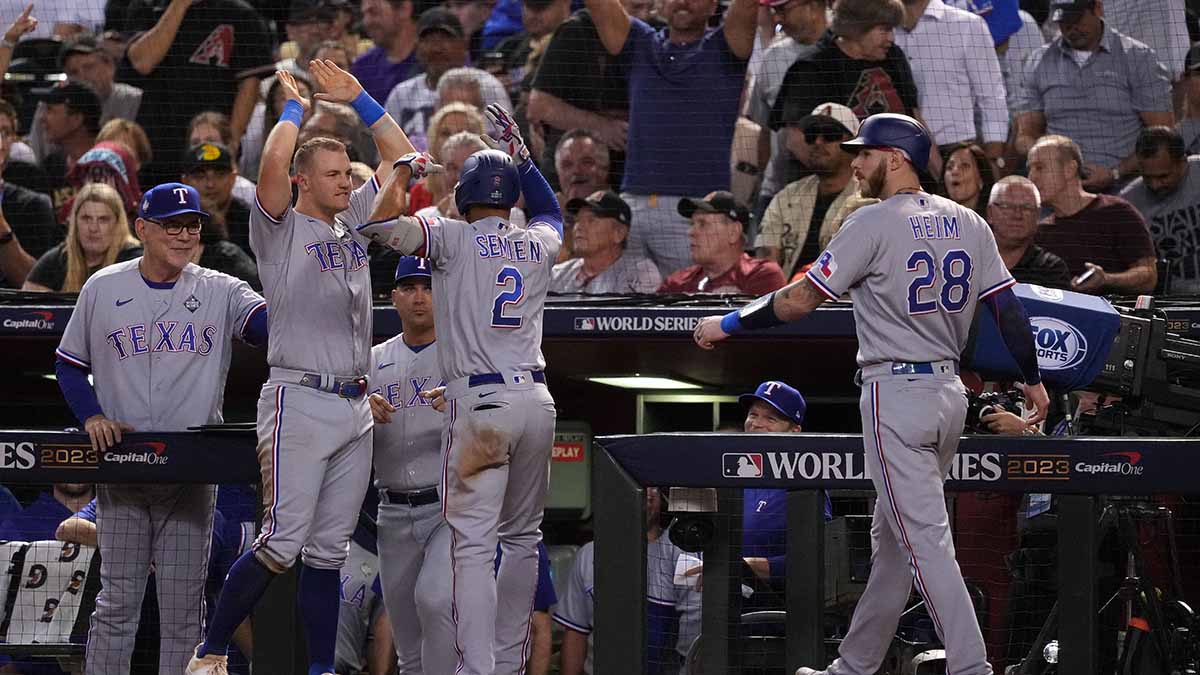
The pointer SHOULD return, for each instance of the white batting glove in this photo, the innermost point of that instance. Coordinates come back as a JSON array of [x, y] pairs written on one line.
[[509, 135], [420, 163]]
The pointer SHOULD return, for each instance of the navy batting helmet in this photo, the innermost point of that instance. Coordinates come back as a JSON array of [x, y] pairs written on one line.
[[488, 178], [889, 130]]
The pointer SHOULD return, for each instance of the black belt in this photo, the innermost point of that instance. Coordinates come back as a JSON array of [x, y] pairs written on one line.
[[414, 498], [354, 388], [496, 378]]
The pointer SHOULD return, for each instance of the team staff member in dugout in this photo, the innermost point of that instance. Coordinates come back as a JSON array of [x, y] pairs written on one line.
[[155, 334], [916, 265], [314, 423]]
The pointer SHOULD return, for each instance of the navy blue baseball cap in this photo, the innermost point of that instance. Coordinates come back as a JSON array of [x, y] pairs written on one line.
[[779, 396], [169, 200], [412, 266]]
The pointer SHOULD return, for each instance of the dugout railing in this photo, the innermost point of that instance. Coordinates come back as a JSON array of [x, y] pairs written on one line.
[[1078, 470]]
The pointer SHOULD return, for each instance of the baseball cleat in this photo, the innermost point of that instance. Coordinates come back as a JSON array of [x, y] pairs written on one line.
[[209, 664]]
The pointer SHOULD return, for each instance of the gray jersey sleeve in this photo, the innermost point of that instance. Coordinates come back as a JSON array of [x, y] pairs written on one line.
[[74, 347], [575, 604], [243, 303], [269, 235], [849, 255], [443, 238], [361, 202]]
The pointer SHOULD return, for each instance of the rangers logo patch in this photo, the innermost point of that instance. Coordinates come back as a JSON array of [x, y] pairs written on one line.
[[191, 304], [826, 265]]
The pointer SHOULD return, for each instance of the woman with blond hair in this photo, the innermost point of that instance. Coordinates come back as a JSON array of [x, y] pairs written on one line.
[[98, 235], [450, 119]]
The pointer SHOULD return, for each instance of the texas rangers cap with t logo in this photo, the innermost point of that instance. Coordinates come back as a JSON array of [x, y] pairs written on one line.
[[412, 266], [779, 396], [169, 200]]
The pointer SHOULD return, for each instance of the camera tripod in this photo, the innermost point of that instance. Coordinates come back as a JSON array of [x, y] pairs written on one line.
[[1159, 627]]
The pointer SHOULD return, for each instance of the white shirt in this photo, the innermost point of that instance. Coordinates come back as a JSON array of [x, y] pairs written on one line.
[[956, 70], [412, 102]]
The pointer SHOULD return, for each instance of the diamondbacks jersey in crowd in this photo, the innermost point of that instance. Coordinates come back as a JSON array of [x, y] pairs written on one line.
[[490, 280], [140, 342], [913, 255], [296, 256]]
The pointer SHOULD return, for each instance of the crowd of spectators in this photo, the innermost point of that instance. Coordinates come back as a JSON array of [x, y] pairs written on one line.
[[699, 138]]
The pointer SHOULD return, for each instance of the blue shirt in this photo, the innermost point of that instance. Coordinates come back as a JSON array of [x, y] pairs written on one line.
[[764, 526], [379, 75], [683, 104], [38, 522], [9, 506]]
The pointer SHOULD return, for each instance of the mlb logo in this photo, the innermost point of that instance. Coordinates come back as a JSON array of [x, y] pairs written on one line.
[[742, 465], [585, 323]]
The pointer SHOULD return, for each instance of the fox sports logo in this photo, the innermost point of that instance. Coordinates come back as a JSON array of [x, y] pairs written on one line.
[[1060, 345]]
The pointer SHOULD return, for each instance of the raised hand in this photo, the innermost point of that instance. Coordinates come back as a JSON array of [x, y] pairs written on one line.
[[335, 84], [508, 135], [421, 164], [24, 23], [291, 89]]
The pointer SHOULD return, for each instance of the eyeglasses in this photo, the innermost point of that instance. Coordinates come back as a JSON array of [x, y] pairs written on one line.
[[174, 229], [1009, 206], [826, 134]]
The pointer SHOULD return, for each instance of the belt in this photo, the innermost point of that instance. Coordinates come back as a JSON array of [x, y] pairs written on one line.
[[428, 495], [496, 378], [353, 388], [926, 368]]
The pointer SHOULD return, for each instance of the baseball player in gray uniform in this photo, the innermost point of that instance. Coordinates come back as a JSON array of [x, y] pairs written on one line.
[[314, 423], [489, 285], [155, 333], [414, 540], [916, 266]]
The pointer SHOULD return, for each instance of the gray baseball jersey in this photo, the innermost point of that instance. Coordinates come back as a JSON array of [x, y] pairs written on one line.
[[359, 607], [489, 289], [408, 453], [308, 267], [158, 354], [916, 266], [142, 342]]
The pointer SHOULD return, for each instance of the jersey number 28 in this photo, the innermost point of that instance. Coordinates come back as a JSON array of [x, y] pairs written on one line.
[[508, 296], [955, 271]]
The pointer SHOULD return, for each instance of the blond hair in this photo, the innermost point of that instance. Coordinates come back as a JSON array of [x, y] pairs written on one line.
[[438, 136], [131, 135], [120, 238]]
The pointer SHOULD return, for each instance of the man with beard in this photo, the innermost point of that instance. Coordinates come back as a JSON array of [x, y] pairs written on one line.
[[916, 266], [1168, 196], [1095, 85], [805, 215], [685, 69]]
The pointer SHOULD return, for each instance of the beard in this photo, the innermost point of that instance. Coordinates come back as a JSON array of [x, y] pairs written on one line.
[[74, 490], [872, 186]]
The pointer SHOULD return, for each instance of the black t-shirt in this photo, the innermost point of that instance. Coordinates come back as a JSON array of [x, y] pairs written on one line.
[[219, 43], [237, 223], [1041, 267], [51, 269], [578, 69], [866, 87], [56, 185], [32, 222], [225, 256]]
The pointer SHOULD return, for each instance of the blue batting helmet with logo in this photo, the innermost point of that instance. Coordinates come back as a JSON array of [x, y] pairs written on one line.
[[890, 130], [488, 178], [412, 266]]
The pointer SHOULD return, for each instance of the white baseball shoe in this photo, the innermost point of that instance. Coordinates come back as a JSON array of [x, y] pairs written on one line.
[[809, 671], [209, 664]]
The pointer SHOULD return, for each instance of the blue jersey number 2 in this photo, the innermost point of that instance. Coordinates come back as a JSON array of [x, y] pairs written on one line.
[[956, 281], [509, 296]]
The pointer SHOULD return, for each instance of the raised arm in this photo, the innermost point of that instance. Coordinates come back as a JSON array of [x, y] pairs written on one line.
[[387, 226], [741, 19], [23, 24], [274, 191], [612, 22], [539, 198], [339, 86], [150, 48]]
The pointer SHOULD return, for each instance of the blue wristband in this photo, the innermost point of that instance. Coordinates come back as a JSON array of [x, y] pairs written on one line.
[[731, 323], [292, 112], [368, 109]]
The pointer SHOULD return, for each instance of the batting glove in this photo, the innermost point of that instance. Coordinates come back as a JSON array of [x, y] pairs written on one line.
[[419, 163], [509, 135]]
